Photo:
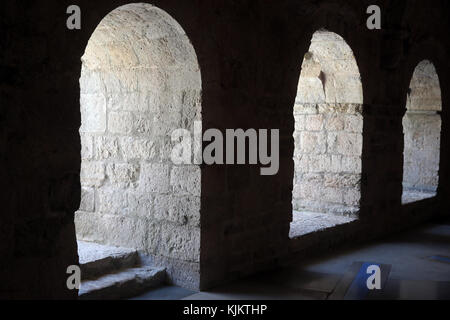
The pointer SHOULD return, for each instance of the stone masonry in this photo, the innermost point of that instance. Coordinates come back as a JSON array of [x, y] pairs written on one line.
[[140, 81], [422, 130], [250, 55], [328, 129]]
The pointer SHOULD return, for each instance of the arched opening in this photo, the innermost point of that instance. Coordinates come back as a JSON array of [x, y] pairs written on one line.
[[422, 134], [140, 81], [327, 137]]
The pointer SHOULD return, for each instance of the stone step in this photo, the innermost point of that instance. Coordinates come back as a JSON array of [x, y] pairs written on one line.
[[97, 260], [121, 285]]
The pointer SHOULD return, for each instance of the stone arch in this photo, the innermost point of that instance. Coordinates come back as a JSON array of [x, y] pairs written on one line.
[[327, 136], [422, 134], [140, 81]]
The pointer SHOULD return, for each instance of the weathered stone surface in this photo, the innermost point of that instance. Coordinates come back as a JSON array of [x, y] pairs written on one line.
[[112, 201], [125, 284], [250, 62], [121, 122], [92, 174], [307, 222], [138, 149], [123, 174], [185, 180], [180, 210], [141, 81], [93, 113], [98, 260], [180, 243], [425, 91], [422, 132], [106, 148], [155, 178], [328, 128], [87, 199], [87, 147]]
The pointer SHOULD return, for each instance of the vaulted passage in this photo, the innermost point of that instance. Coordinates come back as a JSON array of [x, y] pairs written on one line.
[[310, 143], [140, 81], [422, 134], [328, 136]]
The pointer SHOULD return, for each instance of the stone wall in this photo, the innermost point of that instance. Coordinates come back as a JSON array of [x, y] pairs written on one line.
[[328, 129], [250, 55], [140, 81], [422, 130]]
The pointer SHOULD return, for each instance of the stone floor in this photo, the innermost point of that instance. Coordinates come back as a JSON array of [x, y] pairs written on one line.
[[417, 265], [113, 273], [307, 222], [410, 196], [90, 252]]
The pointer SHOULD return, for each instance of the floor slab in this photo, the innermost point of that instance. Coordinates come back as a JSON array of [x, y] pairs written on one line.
[[308, 222]]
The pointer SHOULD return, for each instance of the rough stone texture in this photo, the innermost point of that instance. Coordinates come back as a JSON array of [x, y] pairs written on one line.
[[307, 222], [250, 54], [422, 130], [122, 285], [328, 129], [97, 260], [140, 81]]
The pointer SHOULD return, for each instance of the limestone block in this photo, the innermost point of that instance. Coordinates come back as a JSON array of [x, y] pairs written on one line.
[[140, 204], [182, 243], [91, 81], [119, 82], [296, 192], [299, 122], [92, 174], [93, 113], [106, 148], [310, 90], [186, 180], [137, 148], [179, 210], [130, 232], [313, 142], [336, 164], [301, 163], [352, 197], [87, 226], [305, 108], [120, 122], [332, 195], [351, 164], [331, 50], [349, 94], [87, 147], [325, 35], [112, 201], [348, 67], [131, 101], [343, 143], [310, 67], [342, 180], [120, 55], [314, 122], [123, 175], [312, 178], [154, 178], [319, 163], [310, 191], [353, 123], [335, 122], [144, 125], [87, 203]]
